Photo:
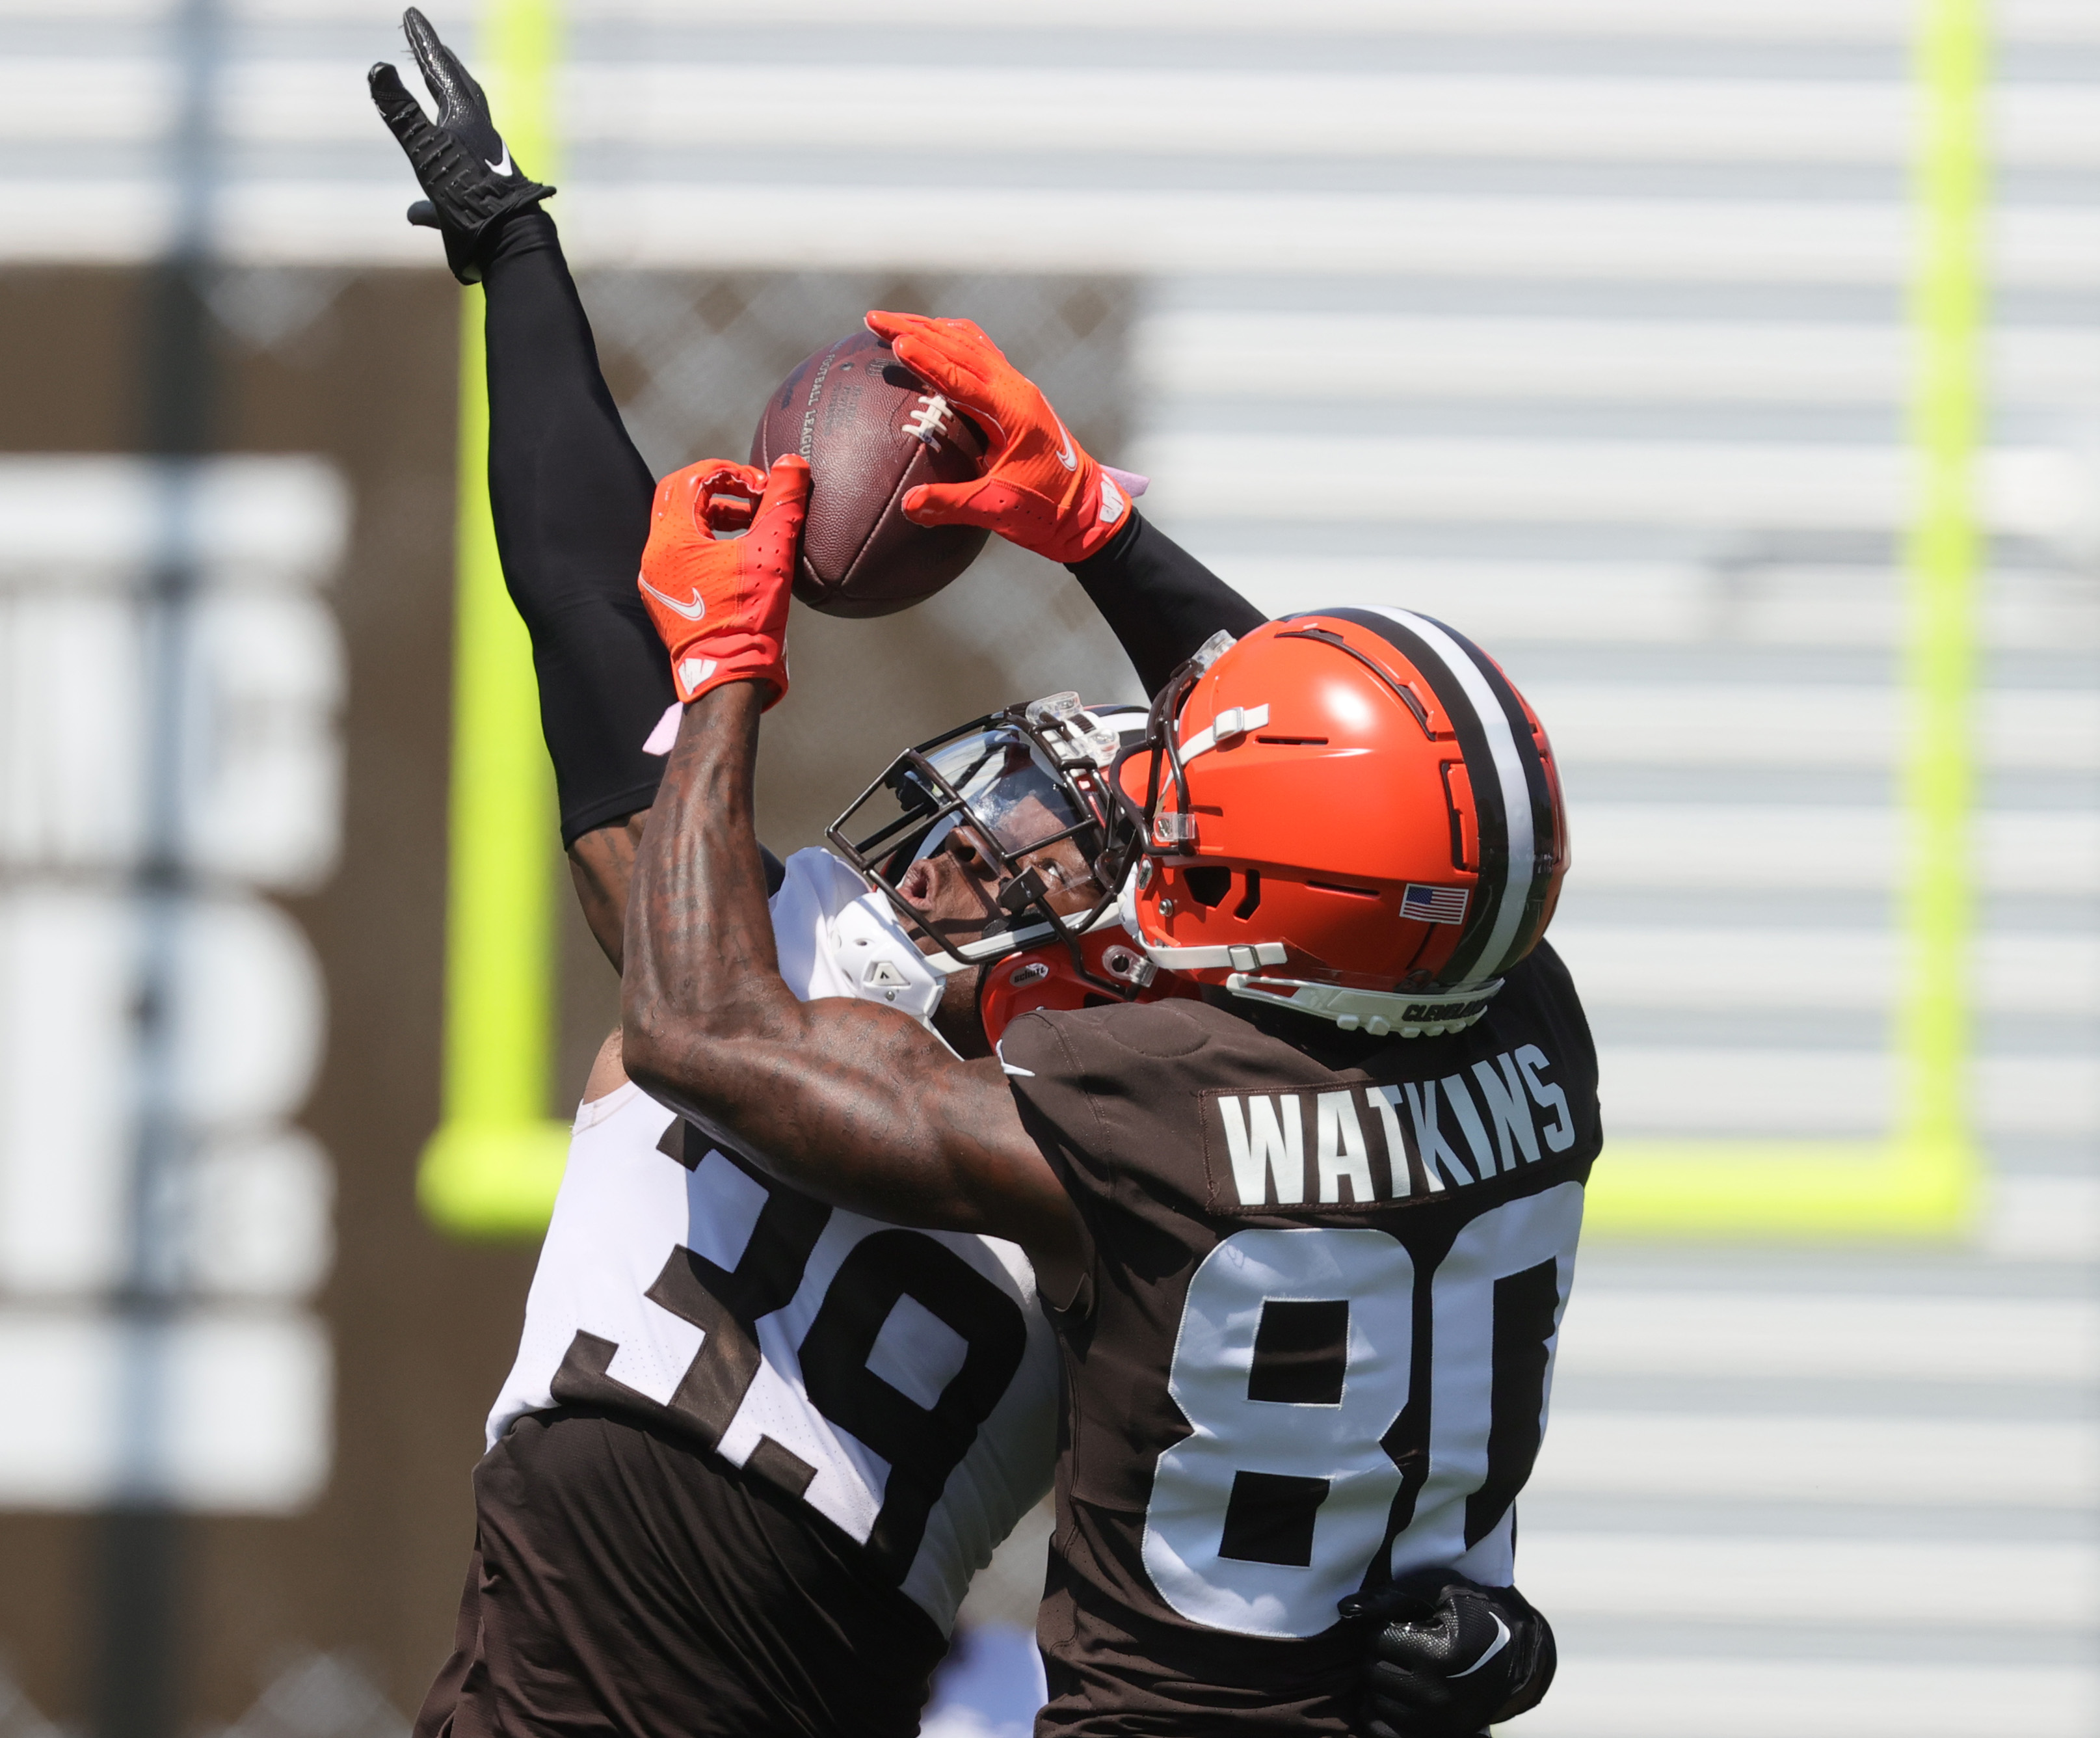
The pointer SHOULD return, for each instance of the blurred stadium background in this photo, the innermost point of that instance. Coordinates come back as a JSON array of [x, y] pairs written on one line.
[[1588, 325]]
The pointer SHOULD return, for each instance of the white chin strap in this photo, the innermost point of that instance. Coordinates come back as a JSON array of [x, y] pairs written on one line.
[[1428, 1014]]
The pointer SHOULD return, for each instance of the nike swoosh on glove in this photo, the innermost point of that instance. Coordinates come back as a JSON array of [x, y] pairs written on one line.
[[1039, 487], [1449, 1656], [720, 606], [461, 162]]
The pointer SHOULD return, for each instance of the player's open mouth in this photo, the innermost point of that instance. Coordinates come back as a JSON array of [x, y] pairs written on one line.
[[917, 883], [946, 895]]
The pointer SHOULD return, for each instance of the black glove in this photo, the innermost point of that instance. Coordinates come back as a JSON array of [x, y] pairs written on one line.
[[463, 165], [1447, 1656]]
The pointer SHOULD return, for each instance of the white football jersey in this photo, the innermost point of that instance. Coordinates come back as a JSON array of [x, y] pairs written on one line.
[[902, 1384]]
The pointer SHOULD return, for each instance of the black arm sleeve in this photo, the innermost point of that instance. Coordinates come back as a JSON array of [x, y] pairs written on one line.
[[572, 499], [1159, 601]]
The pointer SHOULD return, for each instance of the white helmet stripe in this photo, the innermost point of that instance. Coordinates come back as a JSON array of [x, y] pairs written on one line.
[[1520, 861]]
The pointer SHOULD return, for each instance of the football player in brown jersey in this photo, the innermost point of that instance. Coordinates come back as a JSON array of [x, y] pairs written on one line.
[[607, 1518], [1307, 1235]]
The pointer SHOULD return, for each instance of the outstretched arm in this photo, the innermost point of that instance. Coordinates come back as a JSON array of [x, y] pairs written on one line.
[[570, 493], [851, 1101], [855, 1103], [570, 496]]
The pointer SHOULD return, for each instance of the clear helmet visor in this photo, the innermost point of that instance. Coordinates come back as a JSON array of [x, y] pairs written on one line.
[[1027, 794], [992, 778], [1011, 792]]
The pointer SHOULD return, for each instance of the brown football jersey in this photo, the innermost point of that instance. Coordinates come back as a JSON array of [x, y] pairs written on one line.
[[1314, 1345]]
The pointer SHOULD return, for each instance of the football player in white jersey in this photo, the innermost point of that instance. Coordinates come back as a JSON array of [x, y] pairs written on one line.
[[752, 1449]]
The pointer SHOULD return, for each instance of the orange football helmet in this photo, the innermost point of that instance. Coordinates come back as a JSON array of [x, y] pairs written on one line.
[[1351, 813]]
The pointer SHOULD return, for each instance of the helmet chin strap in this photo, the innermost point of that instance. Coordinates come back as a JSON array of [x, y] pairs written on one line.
[[1429, 1014]]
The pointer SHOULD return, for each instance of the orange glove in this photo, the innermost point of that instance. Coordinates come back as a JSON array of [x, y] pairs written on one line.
[[1039, 487], [721, 607]]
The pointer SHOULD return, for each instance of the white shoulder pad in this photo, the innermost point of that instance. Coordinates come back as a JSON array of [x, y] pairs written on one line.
[[837, 938]]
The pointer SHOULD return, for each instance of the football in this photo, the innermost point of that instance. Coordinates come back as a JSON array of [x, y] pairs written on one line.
[[871, 430]]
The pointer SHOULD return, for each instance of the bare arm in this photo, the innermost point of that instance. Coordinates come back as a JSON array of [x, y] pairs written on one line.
[[601, 865], [853, 1102]]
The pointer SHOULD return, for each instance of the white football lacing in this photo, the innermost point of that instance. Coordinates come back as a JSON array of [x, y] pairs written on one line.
[[929, 422]]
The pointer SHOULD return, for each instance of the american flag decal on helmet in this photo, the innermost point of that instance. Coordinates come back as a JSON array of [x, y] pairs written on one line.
[[1433, 904]]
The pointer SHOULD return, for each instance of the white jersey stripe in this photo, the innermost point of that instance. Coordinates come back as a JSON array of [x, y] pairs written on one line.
[[1515, 891]]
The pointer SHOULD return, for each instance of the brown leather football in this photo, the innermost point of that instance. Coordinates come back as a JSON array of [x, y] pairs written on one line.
[[870, 429]]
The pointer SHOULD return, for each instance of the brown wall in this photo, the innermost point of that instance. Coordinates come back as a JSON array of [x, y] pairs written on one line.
[[423, 1328]]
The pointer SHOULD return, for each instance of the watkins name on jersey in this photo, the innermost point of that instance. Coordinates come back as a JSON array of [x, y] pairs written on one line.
[[1431, 1135]]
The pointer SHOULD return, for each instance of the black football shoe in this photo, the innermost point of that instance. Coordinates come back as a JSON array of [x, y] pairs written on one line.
[[465, 169]]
